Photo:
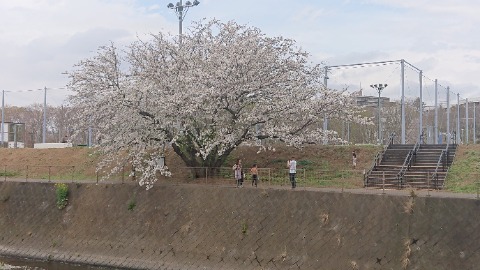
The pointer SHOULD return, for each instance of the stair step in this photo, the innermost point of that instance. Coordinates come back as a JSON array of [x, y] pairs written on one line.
[[421, 171]]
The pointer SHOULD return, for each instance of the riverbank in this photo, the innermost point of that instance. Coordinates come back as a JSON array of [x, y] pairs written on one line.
[[212, 227]]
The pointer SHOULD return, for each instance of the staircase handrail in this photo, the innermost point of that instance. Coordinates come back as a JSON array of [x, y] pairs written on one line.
[[443, 160], [376, 161], [407, 163]]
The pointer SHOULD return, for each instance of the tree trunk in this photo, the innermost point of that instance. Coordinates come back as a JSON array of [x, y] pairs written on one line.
[[200, 167]]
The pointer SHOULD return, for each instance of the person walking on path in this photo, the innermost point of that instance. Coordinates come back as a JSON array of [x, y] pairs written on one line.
[[354, 159], [292, 166], [254, 173], [237, 169]]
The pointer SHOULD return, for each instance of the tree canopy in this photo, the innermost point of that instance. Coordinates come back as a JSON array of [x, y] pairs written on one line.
[[224, 85]]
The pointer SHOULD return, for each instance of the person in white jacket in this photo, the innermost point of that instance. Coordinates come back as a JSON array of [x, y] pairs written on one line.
[[237, 169], [292, 166]]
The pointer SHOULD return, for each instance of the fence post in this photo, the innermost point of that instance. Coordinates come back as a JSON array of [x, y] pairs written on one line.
[[26, 175], [49, 170], [206, 175], [269, 177], [97, 176], [304, 179], [383, 183], [428, 184], [364, 178], [5, 173], [478, 186], [73, 173], [123, 174]]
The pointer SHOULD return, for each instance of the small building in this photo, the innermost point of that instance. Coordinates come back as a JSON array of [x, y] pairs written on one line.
[[13, 135]]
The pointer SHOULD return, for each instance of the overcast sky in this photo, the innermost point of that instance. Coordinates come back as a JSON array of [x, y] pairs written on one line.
[[41, 39]]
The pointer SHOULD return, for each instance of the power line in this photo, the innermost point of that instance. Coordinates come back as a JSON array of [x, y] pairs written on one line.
[[380, 63], [33, 90]]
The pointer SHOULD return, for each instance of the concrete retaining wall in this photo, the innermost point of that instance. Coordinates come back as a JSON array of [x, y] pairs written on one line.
[[205, 227]]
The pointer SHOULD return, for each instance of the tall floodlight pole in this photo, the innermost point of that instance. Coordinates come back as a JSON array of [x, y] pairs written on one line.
[[458, 118], [44, 131], [402, 83], [466, 120], [3, 114], [325, 120], [181, 11], [420, 131], [435, 124], [448, 115], [379, 88]]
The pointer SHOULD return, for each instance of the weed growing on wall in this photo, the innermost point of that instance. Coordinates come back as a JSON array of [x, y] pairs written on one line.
[[62, 195], [131, 205], [244, 227]]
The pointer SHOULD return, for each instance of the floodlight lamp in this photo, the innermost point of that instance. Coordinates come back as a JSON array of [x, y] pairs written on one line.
[[196, 2], [385, 85], [188, 3], [371, 85], [170, 5], [178, 4]]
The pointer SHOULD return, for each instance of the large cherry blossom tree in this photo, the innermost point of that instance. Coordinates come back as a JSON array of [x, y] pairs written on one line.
[[226, 84]]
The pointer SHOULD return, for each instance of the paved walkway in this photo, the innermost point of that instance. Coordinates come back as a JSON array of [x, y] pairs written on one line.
[[265, 185]]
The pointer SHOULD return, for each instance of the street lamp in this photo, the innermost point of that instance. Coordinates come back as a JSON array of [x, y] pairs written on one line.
[[379, 88], [181, 10]]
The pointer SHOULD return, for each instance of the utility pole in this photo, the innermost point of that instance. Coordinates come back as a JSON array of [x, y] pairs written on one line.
[[325, 119], [420, 131], [44, 129], [466, 120], [435, 127], [448, 115], [3, 115], [458, 118]]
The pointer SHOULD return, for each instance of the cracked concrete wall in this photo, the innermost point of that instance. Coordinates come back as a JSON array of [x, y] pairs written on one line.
[[207, 227]]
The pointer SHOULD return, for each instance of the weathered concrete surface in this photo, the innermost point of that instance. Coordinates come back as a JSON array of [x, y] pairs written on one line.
[[206, 227]]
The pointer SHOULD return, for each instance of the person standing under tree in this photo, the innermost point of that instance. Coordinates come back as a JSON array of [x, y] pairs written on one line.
[[292, 166], [354, 159], [237, 168], [254, 173]]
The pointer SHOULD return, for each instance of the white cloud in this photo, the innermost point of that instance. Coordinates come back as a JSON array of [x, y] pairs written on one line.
[[43, 38]]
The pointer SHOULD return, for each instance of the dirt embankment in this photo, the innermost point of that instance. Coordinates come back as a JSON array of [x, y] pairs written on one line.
[[81, 162]]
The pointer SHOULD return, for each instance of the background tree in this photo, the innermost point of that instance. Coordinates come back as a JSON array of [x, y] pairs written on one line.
[[58, 122], [224, 85]]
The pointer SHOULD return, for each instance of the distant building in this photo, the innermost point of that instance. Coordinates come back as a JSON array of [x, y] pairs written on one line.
[[13, 135], [371, 101]]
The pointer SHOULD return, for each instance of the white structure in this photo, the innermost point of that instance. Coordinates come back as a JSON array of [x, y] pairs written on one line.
[[51, 145], [13, 135]]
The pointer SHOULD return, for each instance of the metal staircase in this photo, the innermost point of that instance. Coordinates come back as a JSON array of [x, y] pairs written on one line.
[[407, 165]]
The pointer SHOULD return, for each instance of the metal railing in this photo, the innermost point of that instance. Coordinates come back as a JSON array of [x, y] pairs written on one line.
[[378, 159], [443, 161], [187, 175], [58, 173], [268, 178], [407, 163]]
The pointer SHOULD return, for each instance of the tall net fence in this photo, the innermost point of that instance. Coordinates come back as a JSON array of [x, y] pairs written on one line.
[[433, 113]]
